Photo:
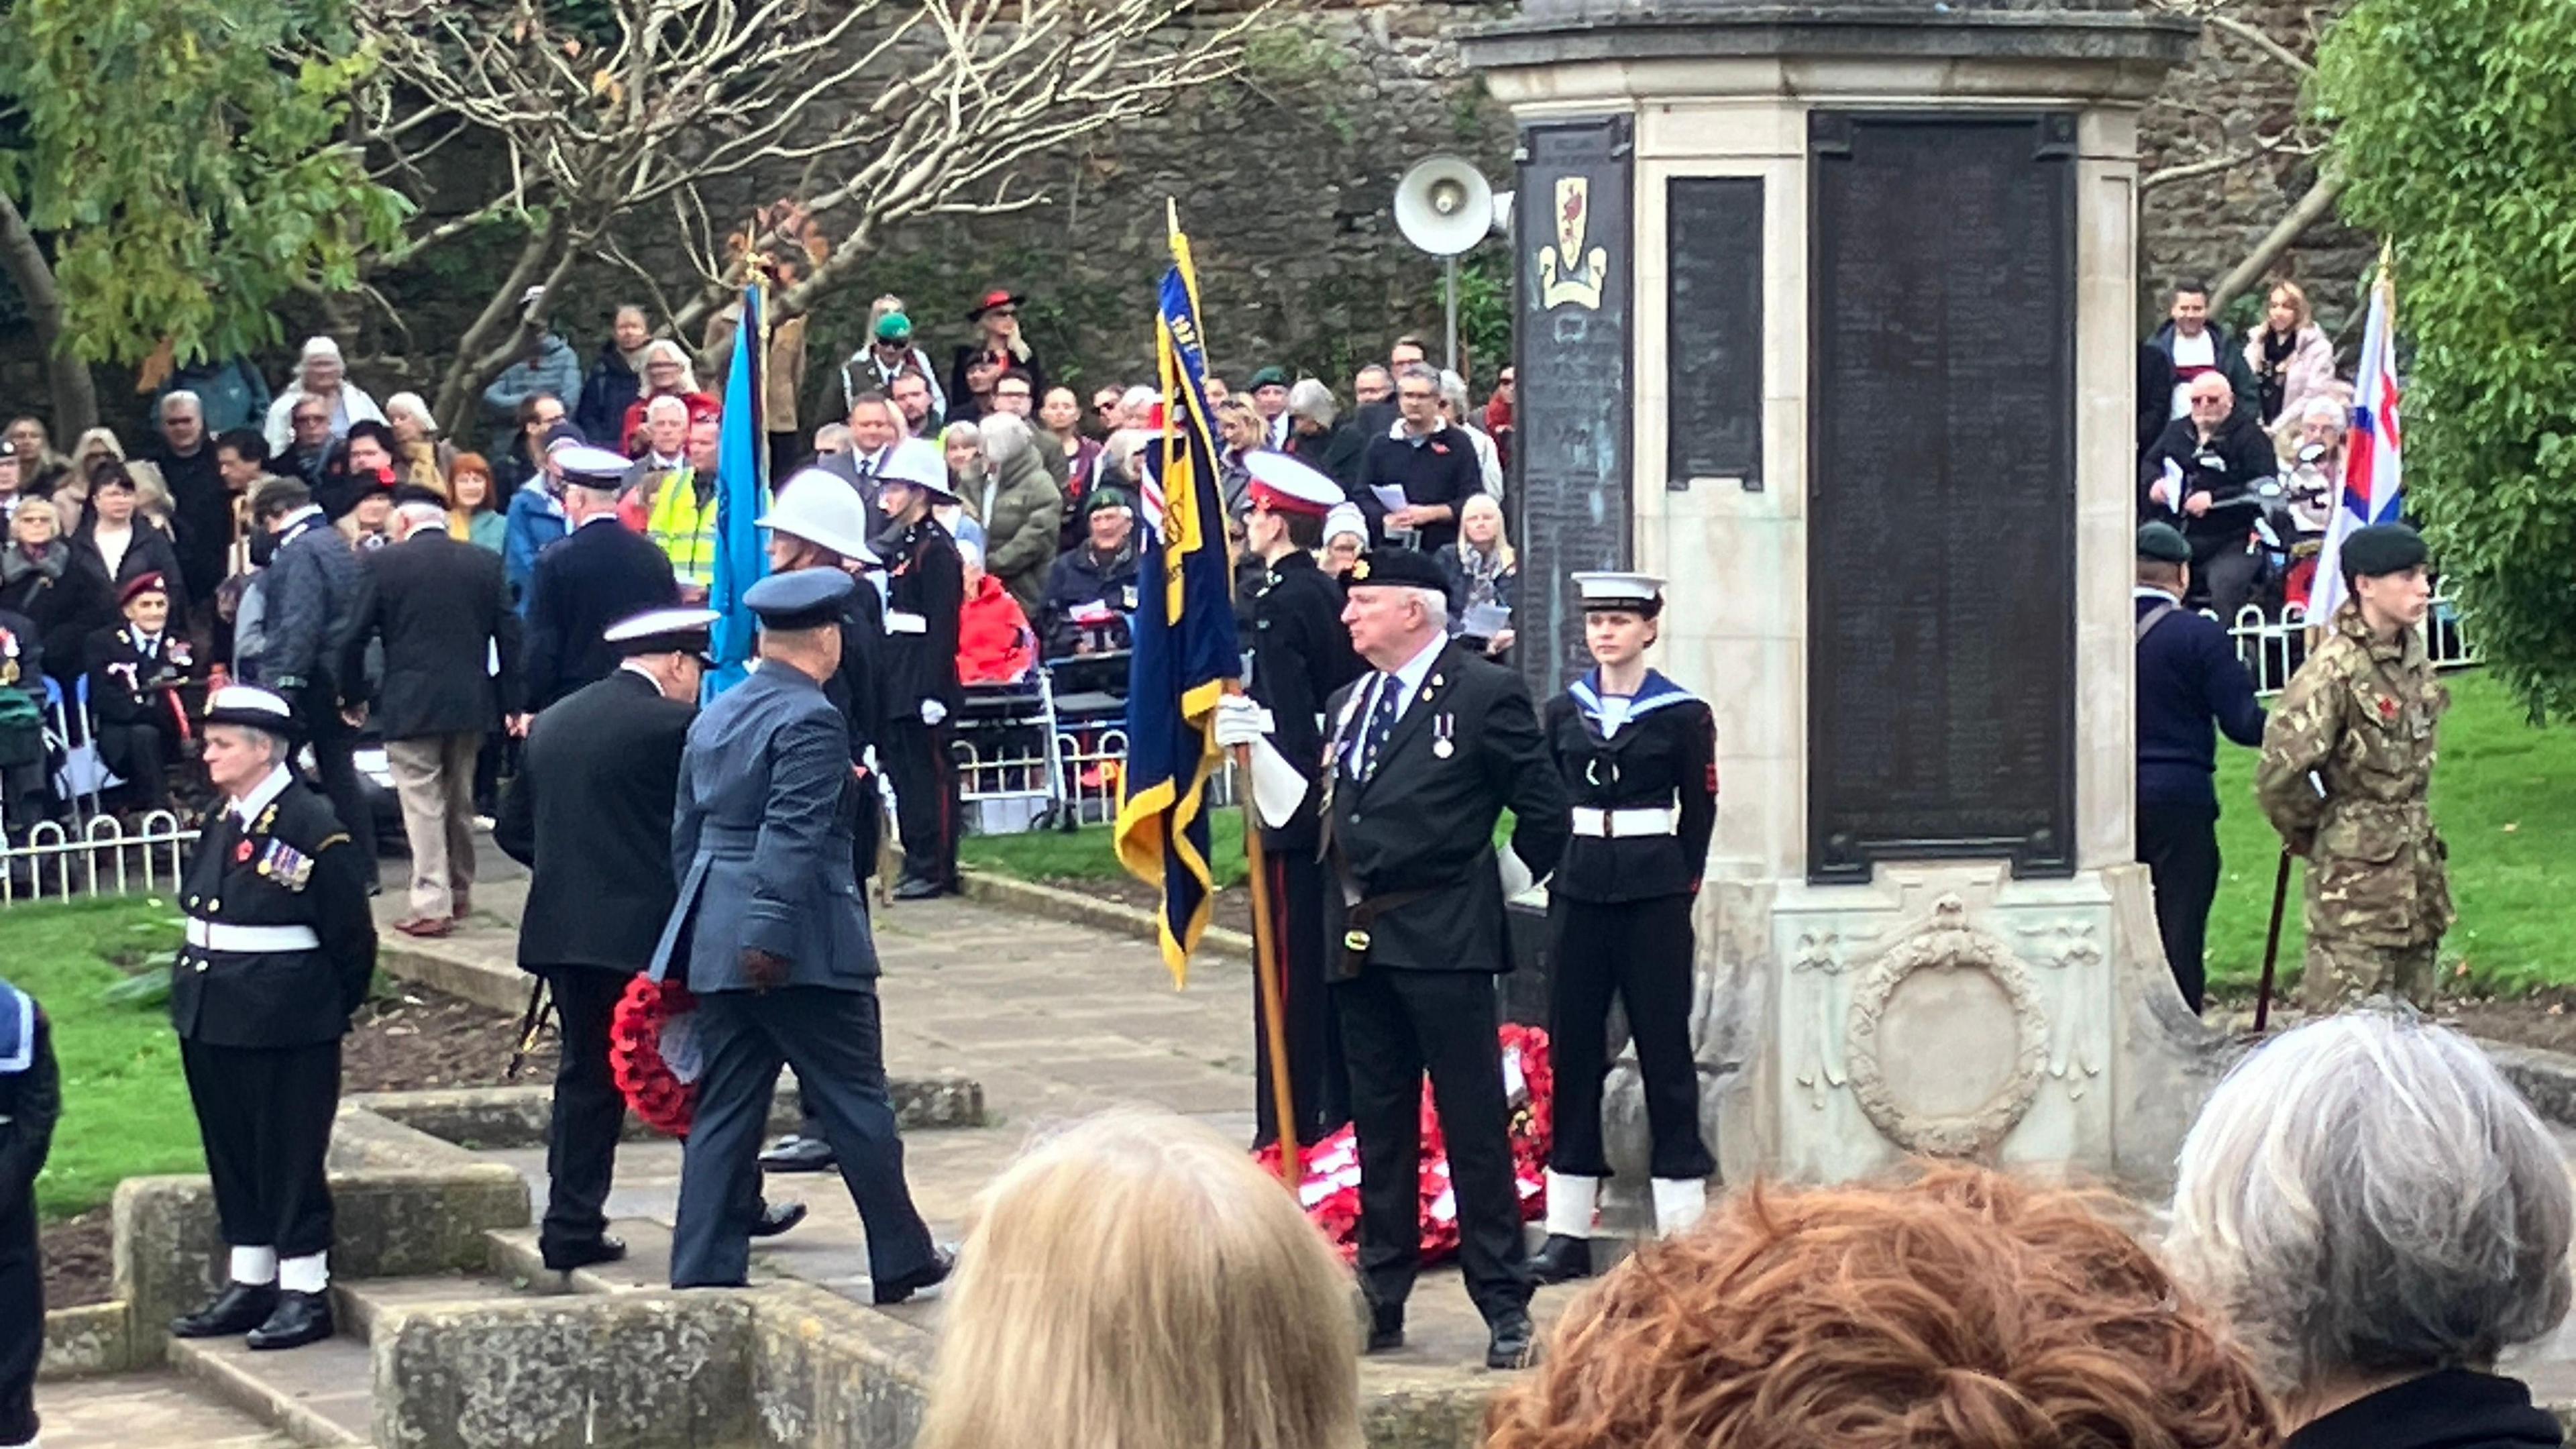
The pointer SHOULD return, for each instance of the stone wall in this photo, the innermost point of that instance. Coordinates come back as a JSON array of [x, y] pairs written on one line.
[[1284, 177]]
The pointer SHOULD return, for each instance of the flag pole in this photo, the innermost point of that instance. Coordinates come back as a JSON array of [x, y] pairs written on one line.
[[1265, 959]]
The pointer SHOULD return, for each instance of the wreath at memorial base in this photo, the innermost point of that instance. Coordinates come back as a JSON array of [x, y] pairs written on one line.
[[645, 1018], [1330, 1187]]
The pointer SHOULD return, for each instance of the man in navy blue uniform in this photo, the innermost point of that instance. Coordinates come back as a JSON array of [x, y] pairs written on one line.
[[2188, 676], [772, 936], [593, 576]]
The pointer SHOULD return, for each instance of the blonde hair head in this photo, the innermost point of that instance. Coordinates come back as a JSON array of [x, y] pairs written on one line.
[[2298, 299], [1138, 1283], [1487, 503]]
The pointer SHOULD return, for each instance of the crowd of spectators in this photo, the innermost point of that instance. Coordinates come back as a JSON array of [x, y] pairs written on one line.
[[210, 533]]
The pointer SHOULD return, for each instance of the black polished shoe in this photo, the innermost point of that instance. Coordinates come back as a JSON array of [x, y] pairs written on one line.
[[1386, 1327], [301, 1318], [798, 1154], [943, 1261], [1509, 1348], [1561, 1258], [776, 1218], [240, 1308], [918, 888], [564, 1258]]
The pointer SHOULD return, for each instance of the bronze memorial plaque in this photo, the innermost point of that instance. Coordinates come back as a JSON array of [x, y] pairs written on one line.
[[1941, 502], [1713, 347], [1569, 497]]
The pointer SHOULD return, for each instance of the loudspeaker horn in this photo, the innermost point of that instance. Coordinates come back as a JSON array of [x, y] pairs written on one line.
[[1444, 206]]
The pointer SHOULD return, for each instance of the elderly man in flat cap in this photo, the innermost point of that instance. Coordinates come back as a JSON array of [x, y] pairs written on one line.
[[2347, 762]]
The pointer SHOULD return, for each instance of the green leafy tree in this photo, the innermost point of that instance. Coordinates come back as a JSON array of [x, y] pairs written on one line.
[[176, 167], [2457, 140]]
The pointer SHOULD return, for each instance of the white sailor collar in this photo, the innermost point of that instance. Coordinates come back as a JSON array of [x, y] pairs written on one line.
[[1609, 712]]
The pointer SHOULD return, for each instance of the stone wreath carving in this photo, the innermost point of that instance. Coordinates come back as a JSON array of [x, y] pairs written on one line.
[[1946, 940]]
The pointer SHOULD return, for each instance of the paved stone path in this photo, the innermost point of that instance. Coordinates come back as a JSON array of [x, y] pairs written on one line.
[[129, 1411]]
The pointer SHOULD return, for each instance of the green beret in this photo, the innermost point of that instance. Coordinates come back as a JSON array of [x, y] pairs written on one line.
[[1270, 377], [2163, 543], [1106, 498], [2382, 548]]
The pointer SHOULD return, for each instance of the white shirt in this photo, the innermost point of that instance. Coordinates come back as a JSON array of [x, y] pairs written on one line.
[[113, 544], [2201, 351], [1408, 683], [261, 795]]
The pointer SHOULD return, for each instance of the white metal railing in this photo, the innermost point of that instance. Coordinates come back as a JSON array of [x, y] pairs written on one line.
[[1005, 768], [103, 857], [2273, 649]]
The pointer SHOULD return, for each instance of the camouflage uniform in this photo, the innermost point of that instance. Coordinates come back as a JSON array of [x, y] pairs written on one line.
[[2361, 714]]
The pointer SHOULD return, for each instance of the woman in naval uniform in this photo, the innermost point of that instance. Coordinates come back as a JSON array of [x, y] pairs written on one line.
[[280, 947], [1638, 754]]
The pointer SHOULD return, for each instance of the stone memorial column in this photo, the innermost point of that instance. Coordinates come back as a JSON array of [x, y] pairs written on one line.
[[1827, 313]]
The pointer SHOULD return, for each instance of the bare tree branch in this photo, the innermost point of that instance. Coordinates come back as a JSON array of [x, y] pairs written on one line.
[[2310, 209]]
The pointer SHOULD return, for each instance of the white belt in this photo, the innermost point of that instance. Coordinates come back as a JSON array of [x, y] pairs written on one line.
[[218, 936], [1622, 824]]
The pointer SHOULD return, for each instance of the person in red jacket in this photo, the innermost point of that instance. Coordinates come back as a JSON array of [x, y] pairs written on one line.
[[994, 642]]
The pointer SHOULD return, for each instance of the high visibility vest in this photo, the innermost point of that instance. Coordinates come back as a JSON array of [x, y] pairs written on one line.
[[684, 531]]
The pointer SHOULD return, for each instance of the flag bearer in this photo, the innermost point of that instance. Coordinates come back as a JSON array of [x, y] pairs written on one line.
[[280, 947], [1301, 654], [1638, 755]]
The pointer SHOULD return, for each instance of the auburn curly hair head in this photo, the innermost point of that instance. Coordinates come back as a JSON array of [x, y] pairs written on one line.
[[1959, 1311]]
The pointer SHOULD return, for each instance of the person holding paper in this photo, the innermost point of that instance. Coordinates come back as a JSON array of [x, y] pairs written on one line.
[[2222, 457], [1482, 573], [1414, 480]]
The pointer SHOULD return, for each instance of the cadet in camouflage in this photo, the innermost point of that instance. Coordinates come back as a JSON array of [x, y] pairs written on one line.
[[2347, 760]]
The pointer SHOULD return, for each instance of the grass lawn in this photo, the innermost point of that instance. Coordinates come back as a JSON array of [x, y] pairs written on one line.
[[2504, 798], [1085, 854], [125, 1105], [2504, 795]]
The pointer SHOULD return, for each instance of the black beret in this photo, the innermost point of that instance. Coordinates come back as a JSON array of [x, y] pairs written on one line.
[[1409, 568], [2382, 548], [2163, 543]]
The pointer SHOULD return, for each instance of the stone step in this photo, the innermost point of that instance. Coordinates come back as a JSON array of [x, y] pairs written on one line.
[[321, 1394], [358, 1304], [122, 1411], [645, 1268]]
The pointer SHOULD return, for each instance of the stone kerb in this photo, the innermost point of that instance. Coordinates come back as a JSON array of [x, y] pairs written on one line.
[[404, 1203], [486, 1118], [642, 1371]]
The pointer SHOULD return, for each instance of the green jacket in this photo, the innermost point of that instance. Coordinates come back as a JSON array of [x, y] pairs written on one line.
[[1021, 510]]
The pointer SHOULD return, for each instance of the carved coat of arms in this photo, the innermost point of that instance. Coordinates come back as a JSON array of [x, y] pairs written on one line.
[[1567, 274]]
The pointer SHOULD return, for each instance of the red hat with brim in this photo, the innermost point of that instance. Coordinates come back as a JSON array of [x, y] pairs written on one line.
[[998, 297], [141, 584]]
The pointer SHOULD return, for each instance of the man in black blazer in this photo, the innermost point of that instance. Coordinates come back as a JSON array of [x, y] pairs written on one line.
[[134, 675], [442, 615], [1425, 752], [596, 574], [589, 814]]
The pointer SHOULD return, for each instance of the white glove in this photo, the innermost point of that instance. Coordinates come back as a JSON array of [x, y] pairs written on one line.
[[1240, 721], [1516, 874], [932, 711]]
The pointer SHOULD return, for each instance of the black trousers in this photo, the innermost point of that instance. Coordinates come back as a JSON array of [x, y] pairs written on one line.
[[22, 1316], [265, 1116], [835, 1041], [1318, 1083], [335, 746], [2222, 575], [1396, 1025], [141, 755], [2178, 844], [589, 1111], [1639, 954], [924, 776]]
